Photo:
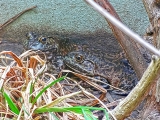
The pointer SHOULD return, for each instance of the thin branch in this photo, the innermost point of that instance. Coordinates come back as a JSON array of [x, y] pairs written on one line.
[[139, 92], [15, 17], [122, 27], [130, 47]]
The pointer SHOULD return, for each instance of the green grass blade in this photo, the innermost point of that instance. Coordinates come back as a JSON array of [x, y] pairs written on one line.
[[58, 109], [106, 114], [55, 117], [88, 115], [45, 88], [51, 109], [31, 91], [11, 104], [76, 109], [86, 111], [25, 110]]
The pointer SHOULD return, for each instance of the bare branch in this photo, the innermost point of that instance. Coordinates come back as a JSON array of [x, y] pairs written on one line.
[[15, 17]]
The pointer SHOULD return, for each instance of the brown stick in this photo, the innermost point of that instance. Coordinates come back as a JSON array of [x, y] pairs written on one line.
[[131, 49], [15, 17], [149, 77]]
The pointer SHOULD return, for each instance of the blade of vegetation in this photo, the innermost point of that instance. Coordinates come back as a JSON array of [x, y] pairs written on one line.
[[88, 115], [33, 61], [25, 111], [86, 111], [55, 117], [45, 88], [11, 104], [61, 98], [15, 57], [31, 91], [15, 17]]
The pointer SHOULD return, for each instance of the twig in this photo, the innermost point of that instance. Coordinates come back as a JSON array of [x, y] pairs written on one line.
[[15, 17], [130, 47], [87, 93], [139, 92], [123, 28]]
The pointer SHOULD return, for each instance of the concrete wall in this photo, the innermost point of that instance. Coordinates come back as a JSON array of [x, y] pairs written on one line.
[[66, 16]]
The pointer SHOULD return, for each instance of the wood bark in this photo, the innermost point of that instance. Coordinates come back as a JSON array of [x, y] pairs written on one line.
[[148, 83], [152, 106], [138, 94], [131, 49]]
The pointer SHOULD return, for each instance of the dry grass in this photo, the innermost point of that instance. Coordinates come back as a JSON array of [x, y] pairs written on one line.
[[29, 92]]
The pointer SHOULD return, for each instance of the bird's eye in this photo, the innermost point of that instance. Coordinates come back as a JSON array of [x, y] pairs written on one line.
[[79, 58], [42, 39]]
